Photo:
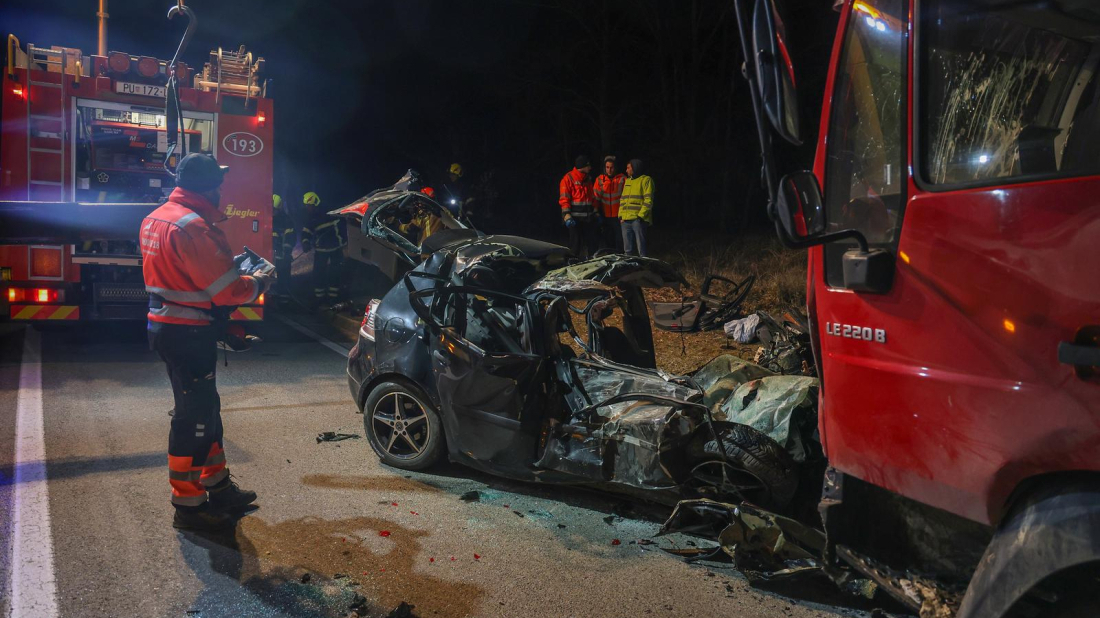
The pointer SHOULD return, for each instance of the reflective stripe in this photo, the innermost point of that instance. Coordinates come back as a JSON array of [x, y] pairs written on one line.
[[222, 282], [215, 478], [215, 460], [324, 225], [189, 476], [177, 296], [329, 249], [177, 311], [189, 500], [188, 218]]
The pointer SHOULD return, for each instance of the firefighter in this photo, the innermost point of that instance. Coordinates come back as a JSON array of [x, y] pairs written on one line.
[[191, 275], [455, 194], [283, 239], [636, 208], [326, 236], [607, 191], [575, 199]]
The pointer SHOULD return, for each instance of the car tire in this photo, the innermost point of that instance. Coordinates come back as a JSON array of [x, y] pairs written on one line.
[[751, 458], [402, 426]]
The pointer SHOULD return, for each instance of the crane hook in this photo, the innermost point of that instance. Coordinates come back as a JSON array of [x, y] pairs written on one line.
[[192, 23]]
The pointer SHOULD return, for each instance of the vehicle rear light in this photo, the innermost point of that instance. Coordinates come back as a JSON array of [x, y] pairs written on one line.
[[36, 295], [46, 262], [366, 328], [17, 91], [118, 62], [260, 299], [261, 119], [148, 67]]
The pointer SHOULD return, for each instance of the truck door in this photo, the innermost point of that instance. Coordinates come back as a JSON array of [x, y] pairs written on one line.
[[971, 154]]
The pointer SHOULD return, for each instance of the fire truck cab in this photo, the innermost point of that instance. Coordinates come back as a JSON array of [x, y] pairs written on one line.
[[82, 160], [952, 219]]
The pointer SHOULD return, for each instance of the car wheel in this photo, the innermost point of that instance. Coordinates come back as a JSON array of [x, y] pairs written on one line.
[[402, 426], [755, 468]]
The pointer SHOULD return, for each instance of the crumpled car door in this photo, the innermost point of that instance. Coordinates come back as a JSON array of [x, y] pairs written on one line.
[[407, 222], [490, 374]]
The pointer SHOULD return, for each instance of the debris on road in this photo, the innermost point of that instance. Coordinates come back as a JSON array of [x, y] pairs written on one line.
[[471, 496], [404, 610], [743, 330], [332, 436], [707, 311]]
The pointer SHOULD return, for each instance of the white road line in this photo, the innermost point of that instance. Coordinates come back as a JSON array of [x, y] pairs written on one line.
[[328, 343], [33, 589]]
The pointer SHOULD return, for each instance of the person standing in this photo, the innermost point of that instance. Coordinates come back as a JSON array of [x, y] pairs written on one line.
[[455, 193], [636, 208], [326, 236], [283, 239], [580, 219], [190, 274], [607, 191]]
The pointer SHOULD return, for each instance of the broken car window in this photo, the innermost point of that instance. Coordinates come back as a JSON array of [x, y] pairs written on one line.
[[494, 325], [1009, 93]]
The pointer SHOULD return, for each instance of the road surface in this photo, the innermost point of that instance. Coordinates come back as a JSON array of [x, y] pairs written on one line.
[[85, 519]]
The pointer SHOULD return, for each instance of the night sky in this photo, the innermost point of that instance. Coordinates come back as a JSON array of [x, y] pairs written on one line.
[[512, 89]]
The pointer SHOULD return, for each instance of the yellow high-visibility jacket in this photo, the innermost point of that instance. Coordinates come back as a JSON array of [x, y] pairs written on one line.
[[637, 200]]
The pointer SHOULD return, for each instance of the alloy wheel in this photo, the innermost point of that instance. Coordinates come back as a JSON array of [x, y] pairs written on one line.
[[401, 425]]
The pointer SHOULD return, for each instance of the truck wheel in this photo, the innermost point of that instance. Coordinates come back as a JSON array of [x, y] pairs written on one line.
[[402, 426], [755, 468]]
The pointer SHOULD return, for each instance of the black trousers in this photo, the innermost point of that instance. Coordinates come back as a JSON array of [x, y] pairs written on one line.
[[196, 459], [584, 237], [282, 273], [612, 234], [326, 273]]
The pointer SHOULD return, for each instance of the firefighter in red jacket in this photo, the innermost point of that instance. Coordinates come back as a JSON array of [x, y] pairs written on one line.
[[578, 215], [191, 276], [607, 191]]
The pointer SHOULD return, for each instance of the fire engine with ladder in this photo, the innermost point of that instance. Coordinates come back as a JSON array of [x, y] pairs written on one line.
[[83, 155]]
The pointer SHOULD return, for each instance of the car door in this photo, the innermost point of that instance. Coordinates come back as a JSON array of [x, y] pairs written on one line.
[[490, 373]]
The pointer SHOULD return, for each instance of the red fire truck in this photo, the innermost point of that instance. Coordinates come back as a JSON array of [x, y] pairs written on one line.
[[82, 160], [953, 219]]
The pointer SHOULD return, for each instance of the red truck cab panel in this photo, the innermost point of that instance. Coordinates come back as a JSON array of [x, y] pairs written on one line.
[[947, 388]]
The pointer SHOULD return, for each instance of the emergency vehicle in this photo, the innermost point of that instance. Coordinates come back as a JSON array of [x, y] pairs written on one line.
[[952, 219], [82, 161]]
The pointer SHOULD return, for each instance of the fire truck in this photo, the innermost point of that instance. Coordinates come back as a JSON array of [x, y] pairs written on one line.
[[952, 218], [82, 161]]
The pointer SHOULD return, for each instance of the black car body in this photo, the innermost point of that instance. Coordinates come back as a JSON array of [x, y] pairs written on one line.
[[474, 353]]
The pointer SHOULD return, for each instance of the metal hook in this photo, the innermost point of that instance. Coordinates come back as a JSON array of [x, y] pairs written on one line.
[[192, 23]]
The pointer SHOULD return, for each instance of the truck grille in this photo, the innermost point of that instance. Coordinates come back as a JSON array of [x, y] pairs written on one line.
[[121, 293]]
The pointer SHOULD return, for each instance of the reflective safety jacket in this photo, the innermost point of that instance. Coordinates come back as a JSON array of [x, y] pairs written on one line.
[[607, 191], [187, 263], [324, 233], [637, 200], [575, 196], [283, 236]]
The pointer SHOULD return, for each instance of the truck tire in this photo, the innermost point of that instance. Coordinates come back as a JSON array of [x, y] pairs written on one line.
[[758, 468], [402, 426]]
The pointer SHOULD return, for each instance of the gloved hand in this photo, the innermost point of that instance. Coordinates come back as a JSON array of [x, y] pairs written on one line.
[[239, 259], [570, 222], [598, 217]]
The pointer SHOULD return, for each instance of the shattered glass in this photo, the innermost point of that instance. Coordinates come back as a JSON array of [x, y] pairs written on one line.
[[1005, 94]]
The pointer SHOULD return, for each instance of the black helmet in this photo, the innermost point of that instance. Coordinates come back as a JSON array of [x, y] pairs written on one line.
[[200, 172]]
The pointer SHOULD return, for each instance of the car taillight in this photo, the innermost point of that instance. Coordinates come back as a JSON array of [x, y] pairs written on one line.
[[366, 328], [35, 295]]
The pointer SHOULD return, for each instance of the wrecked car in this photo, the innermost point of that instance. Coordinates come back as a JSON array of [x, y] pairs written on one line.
[[475, 355]]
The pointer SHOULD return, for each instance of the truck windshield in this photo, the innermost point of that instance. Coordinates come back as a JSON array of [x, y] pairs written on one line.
[[865, 152], [1009, 92]]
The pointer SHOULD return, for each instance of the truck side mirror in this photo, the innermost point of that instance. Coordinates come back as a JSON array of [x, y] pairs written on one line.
[[775, 71], [799, 207], [800, 214]]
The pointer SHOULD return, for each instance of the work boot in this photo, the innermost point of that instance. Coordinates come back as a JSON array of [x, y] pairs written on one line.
[[227, 496], [201, 519]]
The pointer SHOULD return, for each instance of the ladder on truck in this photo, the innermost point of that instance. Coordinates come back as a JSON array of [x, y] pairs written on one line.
[[234, 72], [46, 123]]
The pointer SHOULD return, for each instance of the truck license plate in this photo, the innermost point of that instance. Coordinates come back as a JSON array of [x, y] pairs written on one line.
[[145, 90]]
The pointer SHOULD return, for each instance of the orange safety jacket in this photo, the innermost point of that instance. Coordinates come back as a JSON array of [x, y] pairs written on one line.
[[607, 192], [575, 196], [187, 263]]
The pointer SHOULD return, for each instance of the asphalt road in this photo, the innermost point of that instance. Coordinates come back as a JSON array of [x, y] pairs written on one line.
[[84, 506]]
